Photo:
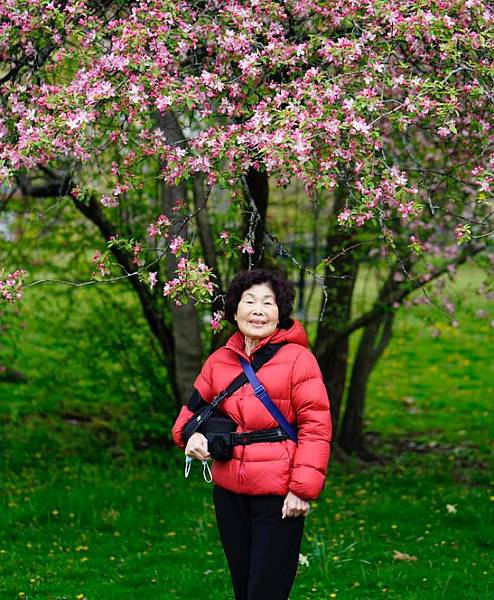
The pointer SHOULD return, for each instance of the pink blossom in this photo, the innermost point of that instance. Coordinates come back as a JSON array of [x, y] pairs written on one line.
[[153, 231], [109, 201], [344, 216], [163, 221], [202, 266], [163, 103], [463, 233], [182, 263], [11, 286], [246, 248], [153, 279], [406, 209], [215, 321], [176, 245], [136, 255], [360, 126], [170, 286], [449, 306], [344, 104], [362, 218], [417, 246]]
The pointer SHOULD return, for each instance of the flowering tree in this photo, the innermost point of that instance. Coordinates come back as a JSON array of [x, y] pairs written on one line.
[[159, 109]]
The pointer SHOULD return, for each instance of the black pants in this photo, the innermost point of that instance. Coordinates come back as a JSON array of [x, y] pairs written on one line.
[[261, 548]]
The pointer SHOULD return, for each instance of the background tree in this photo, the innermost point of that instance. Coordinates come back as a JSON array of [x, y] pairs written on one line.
[[150, 112]]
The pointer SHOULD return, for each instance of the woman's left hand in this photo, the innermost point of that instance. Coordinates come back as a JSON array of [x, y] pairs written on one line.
[[294, 506]]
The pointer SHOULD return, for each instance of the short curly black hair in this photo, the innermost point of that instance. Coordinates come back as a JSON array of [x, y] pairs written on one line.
[[283, 289]]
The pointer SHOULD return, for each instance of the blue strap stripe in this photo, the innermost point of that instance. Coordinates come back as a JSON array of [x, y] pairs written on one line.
[[263, 396]]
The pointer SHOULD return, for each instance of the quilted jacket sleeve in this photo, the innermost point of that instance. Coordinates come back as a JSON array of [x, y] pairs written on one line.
[[311, 405], [203, 386]]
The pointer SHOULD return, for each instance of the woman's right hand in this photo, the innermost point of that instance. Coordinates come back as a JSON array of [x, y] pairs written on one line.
[[197, 447]]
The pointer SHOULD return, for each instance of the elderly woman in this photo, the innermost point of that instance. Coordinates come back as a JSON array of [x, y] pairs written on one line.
[[262, 493]]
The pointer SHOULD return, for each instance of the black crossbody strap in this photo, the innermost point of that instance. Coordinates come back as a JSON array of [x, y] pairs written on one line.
[[260, 358], [203, 412]]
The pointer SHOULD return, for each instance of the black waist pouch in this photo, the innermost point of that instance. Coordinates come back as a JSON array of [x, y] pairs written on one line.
[[217, 430]]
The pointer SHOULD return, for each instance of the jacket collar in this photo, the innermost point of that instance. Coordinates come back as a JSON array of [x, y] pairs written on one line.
[[295, 334]]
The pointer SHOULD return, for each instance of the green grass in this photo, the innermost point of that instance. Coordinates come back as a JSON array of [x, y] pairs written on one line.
[[85, 515]]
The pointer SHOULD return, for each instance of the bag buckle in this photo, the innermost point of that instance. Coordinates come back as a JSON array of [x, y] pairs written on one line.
[[259, 390]]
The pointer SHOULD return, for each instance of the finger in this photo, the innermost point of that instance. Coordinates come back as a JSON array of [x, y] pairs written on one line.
[[203, 451], [292, 512], [198, 453]]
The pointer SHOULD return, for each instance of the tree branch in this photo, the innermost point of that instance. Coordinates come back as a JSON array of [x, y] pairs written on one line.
[[390, 296]]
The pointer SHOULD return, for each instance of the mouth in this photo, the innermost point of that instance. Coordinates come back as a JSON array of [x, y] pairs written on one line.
[[256, 323]]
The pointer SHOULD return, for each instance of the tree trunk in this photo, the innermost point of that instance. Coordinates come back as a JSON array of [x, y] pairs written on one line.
[[257, 194], [205, 232], [375, 338], [185, 323]]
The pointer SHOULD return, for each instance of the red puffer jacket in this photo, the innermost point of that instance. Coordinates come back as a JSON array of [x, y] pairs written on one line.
[[294, 383]]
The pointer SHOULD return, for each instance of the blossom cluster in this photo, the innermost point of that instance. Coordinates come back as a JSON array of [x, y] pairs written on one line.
[[463, 233], [11, 285], [269, 87], [158, 228], [193, 280], [372, 96]]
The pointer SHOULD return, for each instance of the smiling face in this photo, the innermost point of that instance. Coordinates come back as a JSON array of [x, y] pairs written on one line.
[[257, 313]]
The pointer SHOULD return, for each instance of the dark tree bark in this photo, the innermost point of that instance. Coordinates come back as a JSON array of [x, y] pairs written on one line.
[[53, 187], [375, 338], [185, 323], [204, 226], [257, 193]]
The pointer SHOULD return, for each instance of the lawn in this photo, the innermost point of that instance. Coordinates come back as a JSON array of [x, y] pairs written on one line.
[[85, 514]]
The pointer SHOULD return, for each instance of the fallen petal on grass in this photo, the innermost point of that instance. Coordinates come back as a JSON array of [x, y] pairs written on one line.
[[397, 555]]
